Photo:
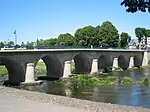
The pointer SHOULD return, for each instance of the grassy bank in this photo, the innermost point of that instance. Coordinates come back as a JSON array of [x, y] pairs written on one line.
[[40, 68], [3, 71]]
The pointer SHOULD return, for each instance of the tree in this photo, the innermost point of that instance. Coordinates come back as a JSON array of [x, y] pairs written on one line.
[[10, 43], [136, 5], [50, 42], [66, 40], [148, 32], [84, 36], [2, 44], [124, 39], [140, 33], [39, 43], [29, 45], [108, 34], [22, 44]]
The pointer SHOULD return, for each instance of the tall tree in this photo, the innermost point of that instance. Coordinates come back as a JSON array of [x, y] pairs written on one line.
[[29, 45], [140, 33], [124, 39], [50, 42], [23, 44], [39, 43], [2, 44], [109, 35], [136, 5], [85, 35], [148, 32], [66, 40], [10, 43]]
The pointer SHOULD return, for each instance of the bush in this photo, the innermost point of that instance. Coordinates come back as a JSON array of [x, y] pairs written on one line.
[[126, 80], [84, 80]]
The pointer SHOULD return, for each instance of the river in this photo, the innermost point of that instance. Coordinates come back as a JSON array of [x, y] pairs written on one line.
[[133, 95]]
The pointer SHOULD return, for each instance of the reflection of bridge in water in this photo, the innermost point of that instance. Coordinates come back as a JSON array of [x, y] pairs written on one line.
[[21, 63]]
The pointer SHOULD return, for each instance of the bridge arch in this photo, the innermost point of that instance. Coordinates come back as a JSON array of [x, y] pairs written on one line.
[[122, 62], [54, 67], [138, 60], [83, 64], [104, 62], [16, 73]]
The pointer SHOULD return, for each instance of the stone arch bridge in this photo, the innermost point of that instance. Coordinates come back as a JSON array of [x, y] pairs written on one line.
[[21, 63]]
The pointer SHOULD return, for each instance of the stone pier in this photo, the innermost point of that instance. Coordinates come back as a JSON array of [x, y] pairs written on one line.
[[67, 69], [30, 73], [115, 64], [131, 63], [94, 68]]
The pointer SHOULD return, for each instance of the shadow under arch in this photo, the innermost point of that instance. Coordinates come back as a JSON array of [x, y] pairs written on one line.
[[138, 59], [122, 62], [104, 62], [53, 66], [16, 73], [82, 64]]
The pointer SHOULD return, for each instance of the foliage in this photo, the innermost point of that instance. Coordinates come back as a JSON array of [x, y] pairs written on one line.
[[148, 32], [90, 81], [84, 36], [124, 39], [10, 44], [3, 71], [2, 44], [105, 35], [109, 35], [126, 80], [140, 33], [66, 40], [41, 68], [23, 44], [29, 45], [84, 80], [136, 5]]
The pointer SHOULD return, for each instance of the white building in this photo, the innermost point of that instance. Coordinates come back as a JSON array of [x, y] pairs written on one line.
[[148, 41]]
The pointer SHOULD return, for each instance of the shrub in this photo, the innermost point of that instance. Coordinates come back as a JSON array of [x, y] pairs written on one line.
[[126, 80]]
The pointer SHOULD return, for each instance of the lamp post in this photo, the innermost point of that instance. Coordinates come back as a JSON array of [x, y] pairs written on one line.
[[15, 33]]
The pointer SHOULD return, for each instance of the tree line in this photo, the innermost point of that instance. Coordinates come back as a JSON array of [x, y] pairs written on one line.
[[105, 35]]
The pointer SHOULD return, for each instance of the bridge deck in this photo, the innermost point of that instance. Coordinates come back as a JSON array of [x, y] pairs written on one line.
[[67, 50]]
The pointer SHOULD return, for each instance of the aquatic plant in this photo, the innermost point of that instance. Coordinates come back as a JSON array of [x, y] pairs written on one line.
[[126, 80], [84, 80]]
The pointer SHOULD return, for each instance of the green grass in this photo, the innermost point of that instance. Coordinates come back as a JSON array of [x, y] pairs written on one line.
[[3, 71], [41, 68]]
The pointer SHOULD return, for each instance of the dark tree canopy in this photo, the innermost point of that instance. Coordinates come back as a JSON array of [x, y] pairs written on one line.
[[124, 39], [140, 33], [136, 5]]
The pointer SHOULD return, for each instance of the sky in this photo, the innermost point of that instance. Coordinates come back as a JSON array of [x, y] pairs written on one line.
[[44, 19]]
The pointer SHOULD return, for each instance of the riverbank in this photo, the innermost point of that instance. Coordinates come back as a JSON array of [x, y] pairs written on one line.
[[84, 105]]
